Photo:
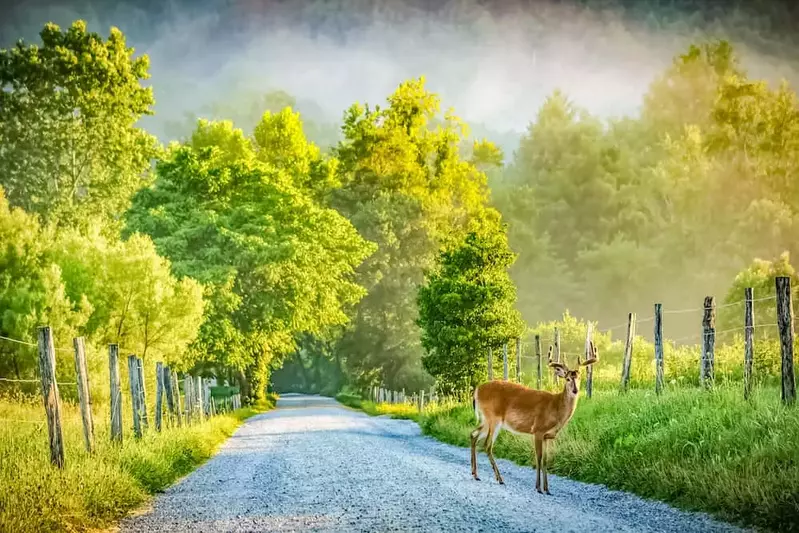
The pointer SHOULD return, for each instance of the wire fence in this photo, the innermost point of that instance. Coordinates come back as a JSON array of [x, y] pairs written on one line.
[[198, 403], [737, 345]]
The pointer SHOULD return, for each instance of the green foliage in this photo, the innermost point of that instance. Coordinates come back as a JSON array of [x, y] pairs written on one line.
[[275, 263], [69, 148], [610, 216], [136, 302], [467, 307], [405, 187], [32, 292], [760, 277]]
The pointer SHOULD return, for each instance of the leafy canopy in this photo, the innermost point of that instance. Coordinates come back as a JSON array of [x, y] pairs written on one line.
[[69, 147]]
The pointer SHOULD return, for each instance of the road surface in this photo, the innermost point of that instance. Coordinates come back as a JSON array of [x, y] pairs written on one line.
[[313, 465]]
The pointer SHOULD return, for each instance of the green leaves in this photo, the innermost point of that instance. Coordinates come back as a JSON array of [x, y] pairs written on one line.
[[231, 213], [467, 307], [69, 148]]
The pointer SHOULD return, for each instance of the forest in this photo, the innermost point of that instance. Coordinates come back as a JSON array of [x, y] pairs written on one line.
[[277, 252]]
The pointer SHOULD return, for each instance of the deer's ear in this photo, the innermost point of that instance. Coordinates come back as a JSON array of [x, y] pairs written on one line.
[[559, 369]]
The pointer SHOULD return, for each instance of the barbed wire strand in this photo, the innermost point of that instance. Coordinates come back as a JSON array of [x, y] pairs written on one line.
[[21, 421]]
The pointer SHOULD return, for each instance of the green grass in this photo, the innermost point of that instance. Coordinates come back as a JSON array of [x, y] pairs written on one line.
[[92, 491], [398, 410], [703, 451]]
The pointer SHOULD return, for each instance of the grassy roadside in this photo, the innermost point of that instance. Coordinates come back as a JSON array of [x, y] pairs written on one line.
[[711, 452], [93, 491]]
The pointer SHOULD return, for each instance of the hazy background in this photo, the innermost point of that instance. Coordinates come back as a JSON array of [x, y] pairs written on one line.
[[493, 61]]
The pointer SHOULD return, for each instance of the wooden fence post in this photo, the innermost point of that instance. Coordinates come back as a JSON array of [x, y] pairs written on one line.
[[135, 396], [628, 352], [52, 401], [166, 378], [557, 353], [176, 395], [538, 360], [505, 361], [116, 393], [628, 349], [785, 325], [188, 400], [708, 342], [658, 348], [490, 364], [589, 370], [145, 420], [84, 396], [518, 360], [197, 396], [749, 330], [159, 394], [207, 398]]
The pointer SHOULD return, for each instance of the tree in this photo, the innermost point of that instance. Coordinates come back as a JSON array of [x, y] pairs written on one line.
[[32, 293], [406, 187], [466, 307], [136, 302], [275, 264], [69, 148], [760, 276]]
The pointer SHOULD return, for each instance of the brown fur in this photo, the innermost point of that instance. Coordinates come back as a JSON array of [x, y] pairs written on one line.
[[521, 409]]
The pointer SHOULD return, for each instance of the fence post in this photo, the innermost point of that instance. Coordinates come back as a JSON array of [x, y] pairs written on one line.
[[116, 393], [658, 348], [490, 364], [84, 396], [166, 379], [142, 394], [557, 352], [176, 395], [538, 360], [708, 342], [52, 401], [197, 396], [628, 352], [518, 360], [785, 325], [207, 397], [133, 378], [188, 402], [589, 370], [505, 361], [749, 330], [159, 394]]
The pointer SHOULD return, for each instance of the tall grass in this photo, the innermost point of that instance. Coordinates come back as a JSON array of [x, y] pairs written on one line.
[[705, 451], [95, 490]]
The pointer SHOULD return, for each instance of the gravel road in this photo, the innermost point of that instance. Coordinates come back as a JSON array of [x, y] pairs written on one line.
[[313, 465]]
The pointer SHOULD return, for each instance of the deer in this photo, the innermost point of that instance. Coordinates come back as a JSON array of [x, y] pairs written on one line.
[[526, 411]]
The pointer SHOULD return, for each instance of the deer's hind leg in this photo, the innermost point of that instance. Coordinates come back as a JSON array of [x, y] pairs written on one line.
[[493, 433], [476, 435]]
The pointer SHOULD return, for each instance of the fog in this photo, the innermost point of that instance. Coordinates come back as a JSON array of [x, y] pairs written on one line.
[[494, 63]]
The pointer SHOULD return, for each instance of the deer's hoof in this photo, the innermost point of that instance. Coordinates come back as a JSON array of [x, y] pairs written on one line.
[[539, 490], [547, 492], [500, 482], [476, 478]]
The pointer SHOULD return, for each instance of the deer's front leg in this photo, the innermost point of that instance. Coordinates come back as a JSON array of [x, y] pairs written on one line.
[[539, 449]]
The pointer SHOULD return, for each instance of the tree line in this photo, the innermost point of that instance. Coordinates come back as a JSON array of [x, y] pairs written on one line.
[[390, 251]]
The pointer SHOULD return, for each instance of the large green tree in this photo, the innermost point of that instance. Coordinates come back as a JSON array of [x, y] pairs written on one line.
[[406, 187], [275, 264], [70, 150], [467, 306]]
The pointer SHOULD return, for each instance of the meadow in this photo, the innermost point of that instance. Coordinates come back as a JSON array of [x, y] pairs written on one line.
[[93, 490]]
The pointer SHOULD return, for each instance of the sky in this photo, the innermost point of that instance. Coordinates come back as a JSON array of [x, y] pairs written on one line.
[[494, 62]]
